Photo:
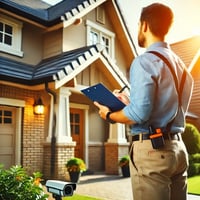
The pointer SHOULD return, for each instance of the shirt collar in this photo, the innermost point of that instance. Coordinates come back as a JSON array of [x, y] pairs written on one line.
[[158, 44]]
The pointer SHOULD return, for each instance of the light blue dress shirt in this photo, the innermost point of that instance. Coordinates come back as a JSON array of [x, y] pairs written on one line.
[[153, 95]]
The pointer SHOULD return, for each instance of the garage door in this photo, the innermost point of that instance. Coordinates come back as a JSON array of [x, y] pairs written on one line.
[[7, 135]]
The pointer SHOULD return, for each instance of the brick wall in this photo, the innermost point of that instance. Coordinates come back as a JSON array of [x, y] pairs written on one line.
[[32, 127], [55, 169], [113, 152], [96, 157]]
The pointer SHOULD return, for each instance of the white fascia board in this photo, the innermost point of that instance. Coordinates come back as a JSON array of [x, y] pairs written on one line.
[[126, 30], [80, 12], [114, 70], [59, 83]]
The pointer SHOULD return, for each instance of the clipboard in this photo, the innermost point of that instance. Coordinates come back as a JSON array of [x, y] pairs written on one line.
[[103, 96]]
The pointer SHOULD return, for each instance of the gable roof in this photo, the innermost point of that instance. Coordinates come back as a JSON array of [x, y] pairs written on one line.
[[46, 14], [187, 50], [65, 66], [61, 68]]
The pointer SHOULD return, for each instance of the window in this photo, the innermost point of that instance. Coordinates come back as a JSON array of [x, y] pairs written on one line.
[[5, 117], [10, 35], [97, 34]]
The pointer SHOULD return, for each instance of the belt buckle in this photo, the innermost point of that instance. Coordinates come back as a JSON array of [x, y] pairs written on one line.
[[141, 136]]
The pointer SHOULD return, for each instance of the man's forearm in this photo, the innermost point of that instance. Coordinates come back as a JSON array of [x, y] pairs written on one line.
[[120, 117]]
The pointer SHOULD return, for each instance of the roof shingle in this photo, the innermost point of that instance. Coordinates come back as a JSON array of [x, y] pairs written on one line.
[[187, 49], [48, 70]]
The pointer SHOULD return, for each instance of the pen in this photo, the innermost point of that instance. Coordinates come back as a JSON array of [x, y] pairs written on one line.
[[123, 89]]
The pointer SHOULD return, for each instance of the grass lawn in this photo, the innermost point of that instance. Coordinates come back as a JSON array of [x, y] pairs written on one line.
[[194, 185], [79, 197]]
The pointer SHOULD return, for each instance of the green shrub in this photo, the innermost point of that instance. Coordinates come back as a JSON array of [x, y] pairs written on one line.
[[75, 165], [194, 165], [15, 184], [124, 160], [195, 158], [191, 138], [194, 169]]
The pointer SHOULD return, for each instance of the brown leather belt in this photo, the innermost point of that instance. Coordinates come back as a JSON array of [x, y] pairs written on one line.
[[167, 136]]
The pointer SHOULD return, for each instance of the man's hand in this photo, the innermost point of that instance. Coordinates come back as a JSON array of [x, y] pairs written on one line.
[[122, 96], [103, 110]]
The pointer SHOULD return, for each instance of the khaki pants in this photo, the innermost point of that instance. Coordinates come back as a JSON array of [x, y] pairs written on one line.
[[159, 174]]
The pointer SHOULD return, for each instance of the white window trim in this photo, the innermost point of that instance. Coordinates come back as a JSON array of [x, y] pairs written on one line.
[[15, 49], [91, 25]]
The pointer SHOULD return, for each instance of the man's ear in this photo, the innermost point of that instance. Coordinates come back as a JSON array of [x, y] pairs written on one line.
[[144, 26]]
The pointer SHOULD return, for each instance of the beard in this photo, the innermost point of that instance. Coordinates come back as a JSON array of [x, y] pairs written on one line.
[[141, 39]]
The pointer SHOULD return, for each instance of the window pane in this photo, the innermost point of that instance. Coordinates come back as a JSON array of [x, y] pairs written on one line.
[[7, 113], [8, 29], [7, 120], [1, 26], [71, 117], [77, 129], [8, 40], [94, 37], [77, 118], [1, 37], [106, 42]]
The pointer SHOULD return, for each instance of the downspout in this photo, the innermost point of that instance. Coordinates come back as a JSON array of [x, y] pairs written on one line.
[[53, 127]]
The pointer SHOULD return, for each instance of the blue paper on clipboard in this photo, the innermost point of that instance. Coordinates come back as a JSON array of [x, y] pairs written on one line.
[[103, 96]]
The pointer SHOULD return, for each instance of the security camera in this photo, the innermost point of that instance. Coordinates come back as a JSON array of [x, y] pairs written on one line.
[[60, 188]]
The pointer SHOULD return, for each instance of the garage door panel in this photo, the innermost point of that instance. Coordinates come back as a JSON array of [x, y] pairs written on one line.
[[7, 160], [6, 151], [7, 135], [6, 140]]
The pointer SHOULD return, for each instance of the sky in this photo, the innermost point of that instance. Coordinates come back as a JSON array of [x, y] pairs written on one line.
[[186, 17]]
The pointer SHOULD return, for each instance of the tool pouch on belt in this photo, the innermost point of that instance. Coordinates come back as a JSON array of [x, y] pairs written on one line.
[[156, 137]]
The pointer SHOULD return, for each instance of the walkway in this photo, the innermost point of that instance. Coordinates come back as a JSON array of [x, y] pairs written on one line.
[[109, 187]]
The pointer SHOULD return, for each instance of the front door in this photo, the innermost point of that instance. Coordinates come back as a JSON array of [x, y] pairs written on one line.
[[77, 130], [7, 136]]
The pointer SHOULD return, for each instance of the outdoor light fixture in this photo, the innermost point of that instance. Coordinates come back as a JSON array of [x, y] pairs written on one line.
[[38, 107]]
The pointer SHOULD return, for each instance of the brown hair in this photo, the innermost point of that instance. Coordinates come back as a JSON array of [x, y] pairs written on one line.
[[159, 18]]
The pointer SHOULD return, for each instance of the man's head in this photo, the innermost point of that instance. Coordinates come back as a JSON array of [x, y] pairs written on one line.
[[158, 18]]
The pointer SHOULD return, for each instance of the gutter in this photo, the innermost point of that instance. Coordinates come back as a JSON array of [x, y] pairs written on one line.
[[52, 128]]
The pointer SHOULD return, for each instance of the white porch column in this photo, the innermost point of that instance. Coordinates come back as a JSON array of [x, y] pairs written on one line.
[[63, 132], [117, 133]]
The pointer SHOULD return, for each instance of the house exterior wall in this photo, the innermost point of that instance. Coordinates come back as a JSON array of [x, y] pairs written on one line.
[[72, 38], [52, 43], [32, 127], [32, 45], [38, 44]]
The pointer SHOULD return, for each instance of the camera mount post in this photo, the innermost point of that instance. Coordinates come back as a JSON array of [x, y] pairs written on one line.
[[57, 197]]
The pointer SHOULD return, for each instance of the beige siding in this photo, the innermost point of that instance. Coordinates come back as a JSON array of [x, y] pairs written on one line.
[[52, 43], [74, 37], [32, 45]]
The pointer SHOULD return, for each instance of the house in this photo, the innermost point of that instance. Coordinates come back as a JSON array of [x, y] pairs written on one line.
[[189, 51], [47, 55]]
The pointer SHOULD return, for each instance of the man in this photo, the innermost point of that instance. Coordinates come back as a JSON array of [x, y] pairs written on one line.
[[158, 154]]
